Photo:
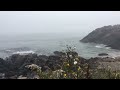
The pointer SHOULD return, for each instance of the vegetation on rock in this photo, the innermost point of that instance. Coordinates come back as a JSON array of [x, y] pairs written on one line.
[[108, 35]]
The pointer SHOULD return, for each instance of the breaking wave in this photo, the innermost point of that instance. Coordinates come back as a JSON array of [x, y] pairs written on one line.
[[24, 52], [102, 46]]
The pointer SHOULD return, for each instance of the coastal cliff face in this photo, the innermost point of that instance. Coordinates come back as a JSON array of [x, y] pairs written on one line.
[[108, 35]]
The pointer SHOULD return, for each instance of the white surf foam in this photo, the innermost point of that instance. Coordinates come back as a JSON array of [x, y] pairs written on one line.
[[24, 52], [102, 46], [98, 46], [108, 47]]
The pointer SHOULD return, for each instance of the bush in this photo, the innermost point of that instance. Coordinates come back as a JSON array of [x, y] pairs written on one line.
[[72, 68]]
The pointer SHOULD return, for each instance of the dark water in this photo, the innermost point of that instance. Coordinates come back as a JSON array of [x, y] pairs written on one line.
[[49, 42]]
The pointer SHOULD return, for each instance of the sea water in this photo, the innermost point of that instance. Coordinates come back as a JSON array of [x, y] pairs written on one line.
[[47, 43]]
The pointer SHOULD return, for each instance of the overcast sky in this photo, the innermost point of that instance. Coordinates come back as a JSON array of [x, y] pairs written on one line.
[[55, 21]]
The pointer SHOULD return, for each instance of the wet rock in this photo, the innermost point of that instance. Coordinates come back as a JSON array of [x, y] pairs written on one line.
[[58, 53], [103, 54]]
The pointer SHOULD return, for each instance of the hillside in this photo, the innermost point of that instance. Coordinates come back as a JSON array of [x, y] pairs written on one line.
[[108, 35]]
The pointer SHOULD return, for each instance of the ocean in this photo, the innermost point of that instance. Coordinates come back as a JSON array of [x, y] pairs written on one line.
[[47, 43]]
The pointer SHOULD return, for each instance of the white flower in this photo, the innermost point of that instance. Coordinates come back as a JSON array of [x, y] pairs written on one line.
[[75, 62]]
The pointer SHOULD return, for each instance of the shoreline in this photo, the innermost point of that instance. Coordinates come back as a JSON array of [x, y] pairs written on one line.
[[15, 64]]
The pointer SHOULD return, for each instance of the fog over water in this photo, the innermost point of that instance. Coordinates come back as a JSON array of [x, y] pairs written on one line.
[[46, 31]]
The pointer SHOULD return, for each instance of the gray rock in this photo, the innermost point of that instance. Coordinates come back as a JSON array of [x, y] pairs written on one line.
[[103, 54]]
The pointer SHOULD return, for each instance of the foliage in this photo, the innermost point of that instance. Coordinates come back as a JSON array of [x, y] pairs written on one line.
[[71, 68]]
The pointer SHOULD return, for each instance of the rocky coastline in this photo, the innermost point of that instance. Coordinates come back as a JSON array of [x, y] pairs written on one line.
[[13, 67]]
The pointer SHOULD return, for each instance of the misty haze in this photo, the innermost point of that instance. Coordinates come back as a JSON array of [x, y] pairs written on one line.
[[42, 37]]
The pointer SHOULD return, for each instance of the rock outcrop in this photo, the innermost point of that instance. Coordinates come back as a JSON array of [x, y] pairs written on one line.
[[14, 66], [103, 54], [108, 35]]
